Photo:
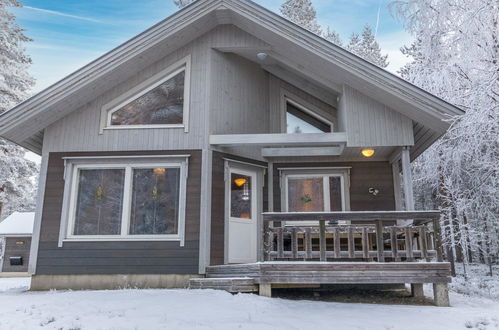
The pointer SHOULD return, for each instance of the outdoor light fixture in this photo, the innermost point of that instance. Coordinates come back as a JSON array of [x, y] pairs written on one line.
[[262, 56], [240, 182], [159, 171], [367, 152]]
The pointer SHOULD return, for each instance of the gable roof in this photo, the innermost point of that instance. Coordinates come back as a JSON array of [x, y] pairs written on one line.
[[24, 123], [18, 223]]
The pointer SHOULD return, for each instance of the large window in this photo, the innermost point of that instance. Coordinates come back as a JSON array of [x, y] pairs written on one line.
[[301, 120], [161, 101], [135, 199]]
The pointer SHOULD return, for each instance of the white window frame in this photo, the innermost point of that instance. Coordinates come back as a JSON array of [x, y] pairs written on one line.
[[72, 171], [184, 65], [343, 173], [303, 105]]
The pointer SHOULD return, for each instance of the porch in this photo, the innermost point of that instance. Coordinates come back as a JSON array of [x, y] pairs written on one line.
[[377, 247]]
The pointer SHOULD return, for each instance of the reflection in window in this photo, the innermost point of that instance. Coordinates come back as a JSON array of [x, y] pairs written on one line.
[[155, 201], [99, 202], [161, 106], [240, 196], [306, 194], [335, 193], [298, 121]]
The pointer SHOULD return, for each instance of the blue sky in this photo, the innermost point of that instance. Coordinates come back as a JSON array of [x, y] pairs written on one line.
[[70, 33]]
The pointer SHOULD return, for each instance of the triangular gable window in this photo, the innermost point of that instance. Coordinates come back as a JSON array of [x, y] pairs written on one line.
[[161, 101], [299, 120]]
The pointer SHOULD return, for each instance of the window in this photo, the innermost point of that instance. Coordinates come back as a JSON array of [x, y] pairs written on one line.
[[132, 199], [161, 101], [240, 196], [300, 120]]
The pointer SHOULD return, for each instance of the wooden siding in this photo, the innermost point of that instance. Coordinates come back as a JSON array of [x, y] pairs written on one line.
[[12, 249], [363, 175], [218, 204], [79, 131], [370, 123], [121, 257]]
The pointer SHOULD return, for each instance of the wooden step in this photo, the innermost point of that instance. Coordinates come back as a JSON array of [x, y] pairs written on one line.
[[233, 285]]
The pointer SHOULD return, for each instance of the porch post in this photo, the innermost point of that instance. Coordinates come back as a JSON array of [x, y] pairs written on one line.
[[407, 174]]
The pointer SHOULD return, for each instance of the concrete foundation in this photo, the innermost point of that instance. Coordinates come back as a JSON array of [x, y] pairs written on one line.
[[109, 282]]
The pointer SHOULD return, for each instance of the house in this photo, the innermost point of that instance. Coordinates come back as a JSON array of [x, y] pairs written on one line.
[[223, 136], [15, 242]]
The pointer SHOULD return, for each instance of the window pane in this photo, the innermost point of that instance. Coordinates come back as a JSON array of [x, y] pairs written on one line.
[[99, 203], [299, 121], [306, 195], [335, 193], [162, 105], [240, 196], [155, 201]]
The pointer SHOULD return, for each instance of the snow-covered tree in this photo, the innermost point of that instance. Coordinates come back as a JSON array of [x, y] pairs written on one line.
[[456, 57], [367, 47], [302, 13], [332, 36], [17, 174], [183, 3]]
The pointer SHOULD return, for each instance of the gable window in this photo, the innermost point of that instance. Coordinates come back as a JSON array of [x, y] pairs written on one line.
[[160, 102], [301, 120], [133, 199]]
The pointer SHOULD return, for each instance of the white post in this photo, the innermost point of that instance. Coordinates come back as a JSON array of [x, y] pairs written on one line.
[[396, 185], [205, 216], [407, 174]]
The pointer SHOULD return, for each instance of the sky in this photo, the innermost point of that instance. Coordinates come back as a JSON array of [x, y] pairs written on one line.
[[71, 33]]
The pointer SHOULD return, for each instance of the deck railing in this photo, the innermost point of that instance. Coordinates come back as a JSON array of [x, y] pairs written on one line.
[[368, 236]]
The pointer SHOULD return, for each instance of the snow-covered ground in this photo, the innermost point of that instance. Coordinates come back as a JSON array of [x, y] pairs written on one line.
[[195, 309]]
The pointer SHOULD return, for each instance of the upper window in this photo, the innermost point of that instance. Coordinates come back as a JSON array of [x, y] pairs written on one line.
[[138, 199], [161, 101], [300, 120]]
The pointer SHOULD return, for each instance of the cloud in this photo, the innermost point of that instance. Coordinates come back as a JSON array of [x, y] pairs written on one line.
[[58, 13]]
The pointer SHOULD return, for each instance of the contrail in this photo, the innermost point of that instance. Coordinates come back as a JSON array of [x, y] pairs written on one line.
[[377, 20], [58, 13]]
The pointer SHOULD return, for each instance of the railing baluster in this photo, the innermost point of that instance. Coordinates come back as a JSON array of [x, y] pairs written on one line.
[[294, 242], [269, 242], [351, 245], [393, 237], [322, 239], [423, 243], [308, 242], [408, 244], [365, 243], [337, 246], [280, 243], [379, 241]]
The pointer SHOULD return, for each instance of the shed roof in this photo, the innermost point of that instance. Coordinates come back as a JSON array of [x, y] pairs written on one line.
[[18, 223], [289, 43]]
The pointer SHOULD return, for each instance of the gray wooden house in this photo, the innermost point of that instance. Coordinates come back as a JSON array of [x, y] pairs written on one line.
[[222, 137]]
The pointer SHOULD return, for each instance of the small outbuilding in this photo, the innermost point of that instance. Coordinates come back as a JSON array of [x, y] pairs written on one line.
[[15, 242]]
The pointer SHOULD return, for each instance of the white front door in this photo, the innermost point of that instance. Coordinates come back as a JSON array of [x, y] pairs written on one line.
[[242, 198]]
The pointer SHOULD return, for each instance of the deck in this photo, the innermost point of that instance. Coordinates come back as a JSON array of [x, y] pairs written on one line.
[[341, 248]]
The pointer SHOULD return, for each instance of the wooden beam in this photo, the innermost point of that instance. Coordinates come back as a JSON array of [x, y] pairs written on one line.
[[306, 151], [283, 139], [351, 215]]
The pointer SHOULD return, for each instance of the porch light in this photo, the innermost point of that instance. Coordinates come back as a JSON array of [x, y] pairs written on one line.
[[240, 182], [367, 152], [159, 171]]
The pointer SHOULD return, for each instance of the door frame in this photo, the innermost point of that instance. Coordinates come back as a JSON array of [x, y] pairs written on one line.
[[259, 171]]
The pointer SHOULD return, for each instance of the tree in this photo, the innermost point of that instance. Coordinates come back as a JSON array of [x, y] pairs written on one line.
[[332, 36], [302, 13], [367, 47], [182, 3], [17, 174], [455, 56]]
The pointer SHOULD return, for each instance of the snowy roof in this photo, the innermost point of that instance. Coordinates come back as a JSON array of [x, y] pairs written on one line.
[[18, 223]]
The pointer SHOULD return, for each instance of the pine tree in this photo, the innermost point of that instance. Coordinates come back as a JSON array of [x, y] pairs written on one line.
[[17, 174], [302, 13], [367, 47], [332, 36], [182, 3]]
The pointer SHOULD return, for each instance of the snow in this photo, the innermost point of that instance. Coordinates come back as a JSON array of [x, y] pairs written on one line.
[[207, 309], [18, 223]]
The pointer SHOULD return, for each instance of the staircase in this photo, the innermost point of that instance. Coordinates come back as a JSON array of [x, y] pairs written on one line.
[[231, 279]]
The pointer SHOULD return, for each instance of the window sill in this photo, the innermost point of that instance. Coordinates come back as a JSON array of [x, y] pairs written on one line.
[[143, 126], [123, 239]]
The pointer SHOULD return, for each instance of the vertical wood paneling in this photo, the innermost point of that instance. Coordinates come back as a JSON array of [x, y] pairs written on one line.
[[370, 123]]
